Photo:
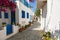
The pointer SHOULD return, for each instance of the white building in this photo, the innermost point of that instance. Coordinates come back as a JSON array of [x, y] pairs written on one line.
[[22, 15], [22, 7], [48, 13], [50, 16]]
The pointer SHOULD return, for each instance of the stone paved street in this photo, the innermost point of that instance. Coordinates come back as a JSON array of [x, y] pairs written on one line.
[[32, 33]]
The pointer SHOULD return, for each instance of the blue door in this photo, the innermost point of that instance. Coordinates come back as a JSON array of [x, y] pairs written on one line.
[[9, 29]]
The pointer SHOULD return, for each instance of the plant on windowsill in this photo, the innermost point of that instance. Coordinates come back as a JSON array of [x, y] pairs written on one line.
[[3, 24]]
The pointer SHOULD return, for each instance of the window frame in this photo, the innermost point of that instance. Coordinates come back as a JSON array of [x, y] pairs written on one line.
[[6, 15], [23, 14], [27, 15]]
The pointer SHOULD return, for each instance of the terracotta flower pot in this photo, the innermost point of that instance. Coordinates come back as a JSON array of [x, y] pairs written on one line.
[[20, 30]]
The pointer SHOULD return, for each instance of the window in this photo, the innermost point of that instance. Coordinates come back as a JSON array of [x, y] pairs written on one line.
[[23, 14], [27, 15], [0, 15], [5, 15]]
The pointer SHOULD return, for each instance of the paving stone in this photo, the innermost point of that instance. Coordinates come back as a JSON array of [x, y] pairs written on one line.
[[28, 34]]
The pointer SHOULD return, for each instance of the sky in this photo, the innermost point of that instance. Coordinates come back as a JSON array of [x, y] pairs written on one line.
[[33, 4]]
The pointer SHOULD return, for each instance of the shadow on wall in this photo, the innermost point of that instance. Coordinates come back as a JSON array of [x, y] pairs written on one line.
[[57, 33], [44, 11]]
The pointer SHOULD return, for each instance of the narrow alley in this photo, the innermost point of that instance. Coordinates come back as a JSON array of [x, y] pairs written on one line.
[[32, 33], [29, 20]]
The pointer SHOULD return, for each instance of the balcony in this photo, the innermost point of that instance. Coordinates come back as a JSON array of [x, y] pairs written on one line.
[[25, 3]]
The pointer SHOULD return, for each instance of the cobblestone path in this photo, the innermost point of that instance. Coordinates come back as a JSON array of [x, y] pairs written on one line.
[[28, 34]]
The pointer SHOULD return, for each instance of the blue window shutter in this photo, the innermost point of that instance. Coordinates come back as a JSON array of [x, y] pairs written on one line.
[[0, 15], [27, 15], [23, 14], [5, 15]]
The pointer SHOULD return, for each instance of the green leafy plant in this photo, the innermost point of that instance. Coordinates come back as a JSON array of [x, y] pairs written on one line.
[[12, 23], [47, 36], [37, 12], [3, 24]]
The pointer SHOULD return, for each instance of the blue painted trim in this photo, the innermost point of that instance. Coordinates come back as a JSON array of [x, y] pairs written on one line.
[[23, 14], [9, 29], [5, 15], [0, 14], [27, 15]]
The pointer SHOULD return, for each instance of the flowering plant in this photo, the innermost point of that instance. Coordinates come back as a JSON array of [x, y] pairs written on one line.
[[6, 4]]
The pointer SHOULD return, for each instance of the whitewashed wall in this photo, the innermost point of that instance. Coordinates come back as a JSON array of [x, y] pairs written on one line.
[[43, 16], [53, 15], [19, 20], [3, 35], [23, 21], [18, 16], [6, 20], [17, 13]]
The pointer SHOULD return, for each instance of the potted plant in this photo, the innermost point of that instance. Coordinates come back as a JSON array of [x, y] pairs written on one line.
[[46, 36], [3, 24], [20, 29]]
